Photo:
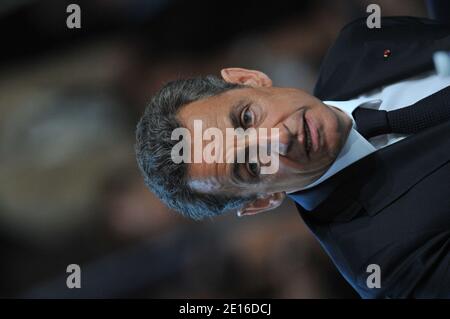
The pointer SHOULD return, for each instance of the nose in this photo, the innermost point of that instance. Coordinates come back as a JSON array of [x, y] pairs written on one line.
[[283, 137], [277, 139], [285, 134]]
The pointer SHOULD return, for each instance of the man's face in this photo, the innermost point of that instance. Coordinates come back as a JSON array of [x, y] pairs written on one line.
[[311, 135]]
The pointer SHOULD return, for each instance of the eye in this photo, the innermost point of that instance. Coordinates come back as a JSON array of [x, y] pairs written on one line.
[[253, 169], [247, 117]]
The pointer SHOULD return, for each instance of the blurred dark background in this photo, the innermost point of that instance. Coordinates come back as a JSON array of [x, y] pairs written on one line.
[[70, 191]]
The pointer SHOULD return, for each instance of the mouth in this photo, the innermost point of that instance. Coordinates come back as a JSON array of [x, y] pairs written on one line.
[[307, 140]]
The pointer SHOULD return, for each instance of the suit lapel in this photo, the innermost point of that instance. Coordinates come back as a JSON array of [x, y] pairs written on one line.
[[400, 167], [356, 63]]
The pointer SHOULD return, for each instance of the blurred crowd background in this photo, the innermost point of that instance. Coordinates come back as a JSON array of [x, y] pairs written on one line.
[[70, 190]]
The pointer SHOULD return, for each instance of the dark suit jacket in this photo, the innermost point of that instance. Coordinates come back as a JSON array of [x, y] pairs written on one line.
[[391, 208]]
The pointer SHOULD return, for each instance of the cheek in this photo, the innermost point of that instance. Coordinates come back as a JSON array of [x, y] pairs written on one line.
[[330, 128], [287, 177], [275, 182], [327, 117]]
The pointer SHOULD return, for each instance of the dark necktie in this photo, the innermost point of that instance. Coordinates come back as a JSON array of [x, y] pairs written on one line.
[[428, 112]]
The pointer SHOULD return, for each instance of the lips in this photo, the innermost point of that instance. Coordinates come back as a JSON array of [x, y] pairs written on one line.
[[314, 134], [312, 138], [307, 139]]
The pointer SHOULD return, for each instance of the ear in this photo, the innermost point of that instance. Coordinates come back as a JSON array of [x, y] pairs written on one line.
[[262, 204], [251, 78]]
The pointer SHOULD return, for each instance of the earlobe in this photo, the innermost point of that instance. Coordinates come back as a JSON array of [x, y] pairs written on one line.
[[242, 76], [262, 204]]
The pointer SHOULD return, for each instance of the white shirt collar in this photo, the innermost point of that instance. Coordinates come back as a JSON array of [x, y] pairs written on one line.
[[347, 106]]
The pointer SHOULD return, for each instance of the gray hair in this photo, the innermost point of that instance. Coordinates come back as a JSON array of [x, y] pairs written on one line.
[[153, 147]]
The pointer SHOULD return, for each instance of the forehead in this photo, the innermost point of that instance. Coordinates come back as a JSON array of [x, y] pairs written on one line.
[[212, 107], [213, 111]]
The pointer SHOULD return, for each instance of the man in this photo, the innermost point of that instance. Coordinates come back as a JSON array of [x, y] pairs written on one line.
[[372, 199]]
